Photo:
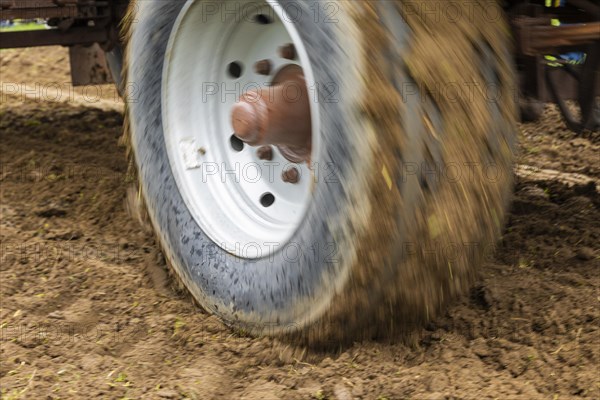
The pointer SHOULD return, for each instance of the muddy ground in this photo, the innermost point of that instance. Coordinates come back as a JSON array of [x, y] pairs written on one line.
[[88, 310]]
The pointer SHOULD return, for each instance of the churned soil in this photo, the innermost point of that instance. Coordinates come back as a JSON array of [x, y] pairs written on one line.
[[88, 310]]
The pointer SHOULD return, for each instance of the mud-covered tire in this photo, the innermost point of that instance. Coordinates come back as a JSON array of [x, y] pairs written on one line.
[[417, 182]]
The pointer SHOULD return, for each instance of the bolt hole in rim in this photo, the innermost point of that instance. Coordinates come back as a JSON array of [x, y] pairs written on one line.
[[235, 69], [236, 143], [267, 200], [263, 19], [239, 200]]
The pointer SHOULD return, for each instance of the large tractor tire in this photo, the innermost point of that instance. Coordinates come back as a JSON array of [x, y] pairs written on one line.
[[412, 129]]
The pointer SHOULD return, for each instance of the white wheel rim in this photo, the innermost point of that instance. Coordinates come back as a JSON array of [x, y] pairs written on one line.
[[226, 190]]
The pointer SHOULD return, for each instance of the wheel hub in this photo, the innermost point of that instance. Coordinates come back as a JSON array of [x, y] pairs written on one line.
[[277, 115]]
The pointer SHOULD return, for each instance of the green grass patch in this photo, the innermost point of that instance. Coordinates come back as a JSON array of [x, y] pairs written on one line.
[[18, 27]]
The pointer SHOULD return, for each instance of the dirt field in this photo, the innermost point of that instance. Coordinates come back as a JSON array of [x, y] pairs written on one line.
[[88, 311]]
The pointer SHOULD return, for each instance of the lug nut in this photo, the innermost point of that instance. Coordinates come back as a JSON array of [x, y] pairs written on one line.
[[265, 153], [263, 67], [291, 175], [288, 51]]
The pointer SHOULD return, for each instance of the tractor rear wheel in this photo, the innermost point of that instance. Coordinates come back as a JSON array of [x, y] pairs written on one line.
[[400, 170]]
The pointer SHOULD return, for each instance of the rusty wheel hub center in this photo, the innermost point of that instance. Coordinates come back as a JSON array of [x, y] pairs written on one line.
[[277, 115]]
